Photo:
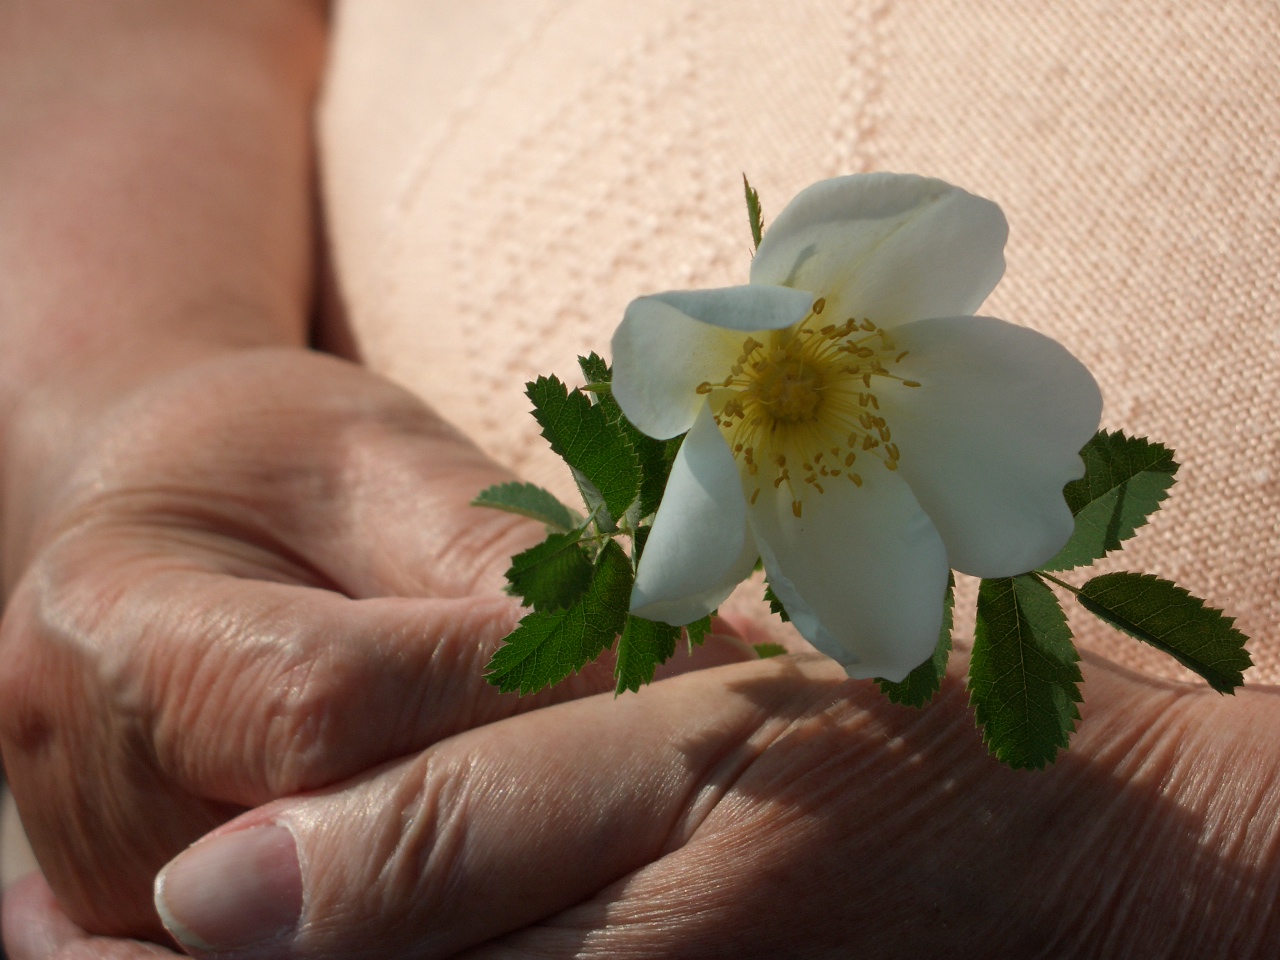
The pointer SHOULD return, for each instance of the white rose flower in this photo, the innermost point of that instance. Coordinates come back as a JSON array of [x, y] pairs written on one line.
[[851, 423]]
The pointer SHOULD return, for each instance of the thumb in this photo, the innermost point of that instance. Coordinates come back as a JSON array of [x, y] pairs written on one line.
[[526, 817]]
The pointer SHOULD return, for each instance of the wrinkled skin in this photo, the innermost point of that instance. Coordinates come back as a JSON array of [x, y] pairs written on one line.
[[193, 614], [263, 576], [791, 814]]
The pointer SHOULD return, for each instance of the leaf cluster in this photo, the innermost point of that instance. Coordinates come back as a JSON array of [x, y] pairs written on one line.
[[1023, 673], [577, 582]]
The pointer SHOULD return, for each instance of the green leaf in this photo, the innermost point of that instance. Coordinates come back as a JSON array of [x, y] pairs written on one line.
[[546, 647], [697, 631], [775, 605], [1169, 618], [753, 212], [595, 368], [528, 500], [655, 456], [1125, 481], [552, 575], [1024, 672], [919, 686], [766, 650], [644, 645], [582, 434]]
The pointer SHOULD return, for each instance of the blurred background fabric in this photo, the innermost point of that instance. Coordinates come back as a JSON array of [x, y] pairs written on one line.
[[502, 176]]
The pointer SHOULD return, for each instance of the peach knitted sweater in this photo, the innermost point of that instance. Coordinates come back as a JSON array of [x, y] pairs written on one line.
[[502, 176]]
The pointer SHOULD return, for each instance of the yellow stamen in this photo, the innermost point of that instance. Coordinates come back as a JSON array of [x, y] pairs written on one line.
[[806, 394]]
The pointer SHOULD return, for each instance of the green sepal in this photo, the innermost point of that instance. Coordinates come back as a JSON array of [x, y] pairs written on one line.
[[1024, 672], [697, 631], [529, 500], [581, 433], [766, 650], [546, 647], [1125, 481], [920, 685], [754, 213], [552, 575], [644, 645], [655, 456], [597, 509], [1169, 618]]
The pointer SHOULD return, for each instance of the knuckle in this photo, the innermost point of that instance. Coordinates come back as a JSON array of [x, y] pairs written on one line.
[[423, 853], [316, 715], [49, 648]]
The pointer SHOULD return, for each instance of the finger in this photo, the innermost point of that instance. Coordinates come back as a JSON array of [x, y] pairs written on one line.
[[324, 687], [249, 690], [319, 460], [524, 817], [172, 717], [777, 769], [242, 692], [900, 835], [262, 690], [246, 691], [405, 524], [35, 928]]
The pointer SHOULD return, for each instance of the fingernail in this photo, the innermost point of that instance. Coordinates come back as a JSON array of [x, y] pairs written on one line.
[[236, 891]]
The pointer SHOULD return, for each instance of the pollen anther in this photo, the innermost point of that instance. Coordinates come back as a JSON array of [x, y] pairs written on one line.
[[802, 396]]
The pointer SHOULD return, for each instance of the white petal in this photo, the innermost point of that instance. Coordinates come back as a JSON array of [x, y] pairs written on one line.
[[886, 247], [991, 436], [669, 343], [747, 309], [801, 614], [862, 573], [699, 548]]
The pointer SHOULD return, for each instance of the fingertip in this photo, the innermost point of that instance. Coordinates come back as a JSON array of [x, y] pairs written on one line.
[[237, 891]]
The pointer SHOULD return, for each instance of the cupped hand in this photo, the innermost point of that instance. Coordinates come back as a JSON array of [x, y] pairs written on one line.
[[758, 810], [260, 576]]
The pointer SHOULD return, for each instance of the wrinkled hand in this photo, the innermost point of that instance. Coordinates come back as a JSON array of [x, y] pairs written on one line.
[[262, 577], [760, 810]]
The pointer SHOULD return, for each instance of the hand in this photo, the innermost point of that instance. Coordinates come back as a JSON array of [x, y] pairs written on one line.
[[765, 810], [261, 577]]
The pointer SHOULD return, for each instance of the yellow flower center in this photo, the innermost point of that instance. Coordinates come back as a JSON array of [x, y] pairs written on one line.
[[790, 389], [801, 410]]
